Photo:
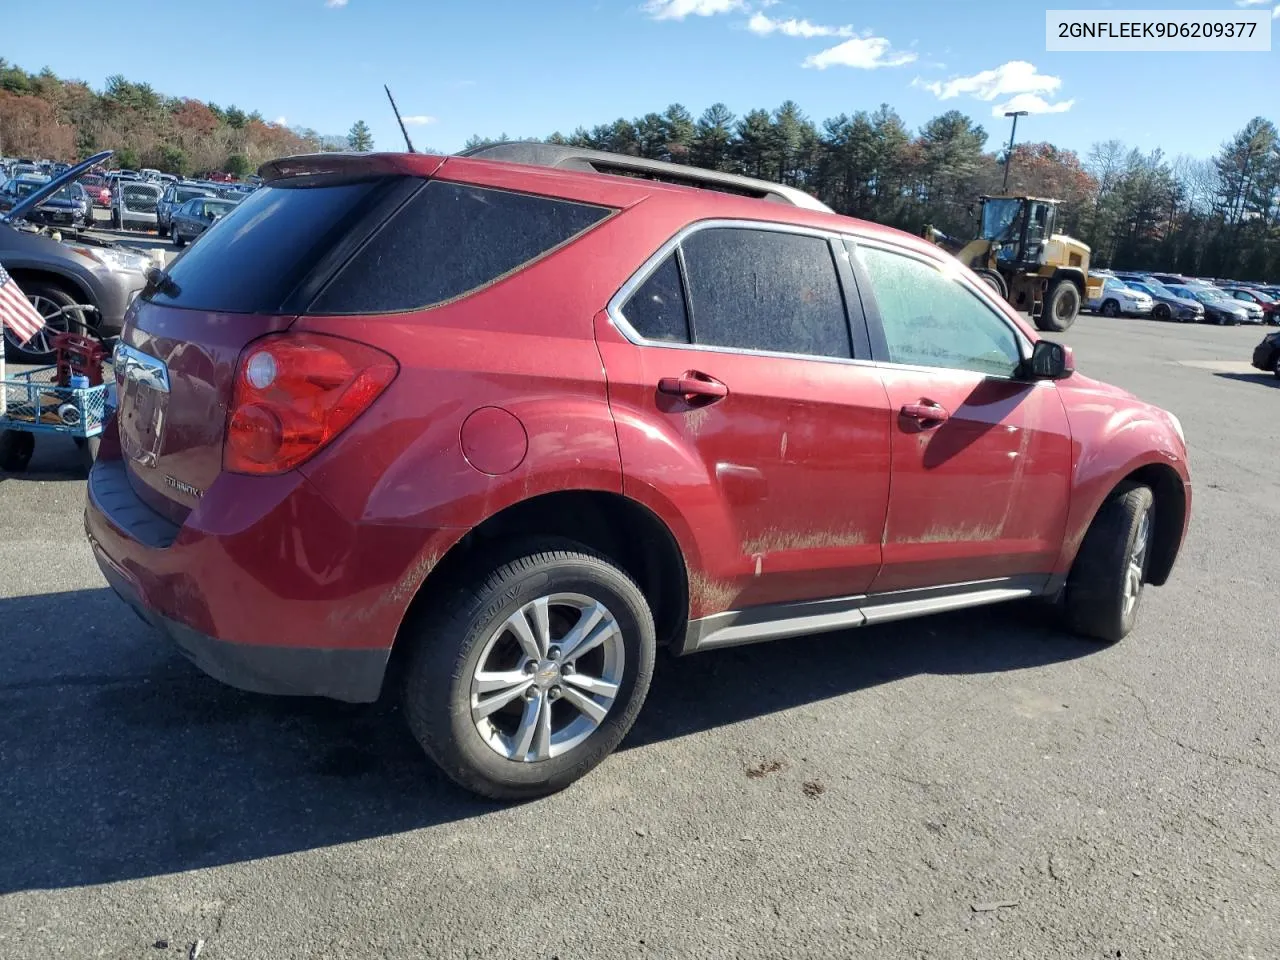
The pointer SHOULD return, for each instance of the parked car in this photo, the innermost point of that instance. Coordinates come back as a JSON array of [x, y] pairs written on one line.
[[1217, 309], [476, 384], [133, 206], [95, 185], [1266, 355], [68, 207], [173, 197], [1253, 311], [1117, 298], [55, 274], [1168, 306], [1269, 305], [196, 216]]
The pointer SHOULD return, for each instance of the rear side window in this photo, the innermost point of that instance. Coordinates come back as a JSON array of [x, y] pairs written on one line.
[[765, 290], [656, 310], [450, 240], [252, 259]]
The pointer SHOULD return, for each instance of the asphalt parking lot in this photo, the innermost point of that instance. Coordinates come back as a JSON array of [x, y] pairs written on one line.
[[970, 785]]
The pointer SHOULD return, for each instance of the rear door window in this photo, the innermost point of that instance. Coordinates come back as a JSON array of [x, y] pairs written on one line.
[[656, 311], [765, 290], [450, 240]]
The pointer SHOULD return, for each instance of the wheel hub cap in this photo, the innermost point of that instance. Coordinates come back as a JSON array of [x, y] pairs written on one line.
[[547, 677]]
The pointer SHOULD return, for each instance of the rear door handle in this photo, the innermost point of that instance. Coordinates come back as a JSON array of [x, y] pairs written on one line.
[[692, 386], [926, 414]]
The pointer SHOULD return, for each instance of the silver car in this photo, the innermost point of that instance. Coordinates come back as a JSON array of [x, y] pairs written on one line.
[[133, 205]]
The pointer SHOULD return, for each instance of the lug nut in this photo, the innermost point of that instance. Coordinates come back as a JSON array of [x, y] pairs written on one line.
[[530, 668], [554, 693], [531, 693], [568, 668], [553, 653]]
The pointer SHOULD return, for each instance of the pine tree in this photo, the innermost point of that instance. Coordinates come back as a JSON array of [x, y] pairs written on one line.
[[359, 138]]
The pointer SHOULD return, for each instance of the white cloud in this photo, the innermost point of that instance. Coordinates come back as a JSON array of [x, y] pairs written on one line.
[[282, 121], [418, 120], [335, 3], [762, 25], [679, 9], [862, 53], [1009, 79], [1252, 3], [1275, 14], [1032, 104]]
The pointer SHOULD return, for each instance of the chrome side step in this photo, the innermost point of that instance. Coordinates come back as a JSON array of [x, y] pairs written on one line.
[[776, 621]]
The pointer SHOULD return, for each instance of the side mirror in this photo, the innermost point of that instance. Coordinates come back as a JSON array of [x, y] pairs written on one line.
[[1049, 361]]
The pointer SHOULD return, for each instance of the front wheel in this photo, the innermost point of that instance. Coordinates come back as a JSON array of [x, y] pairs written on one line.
[[1061, 307], [1275, 365], [16, 447], [534, 674], [1110, 309], [1162, 312], [1104, 588]]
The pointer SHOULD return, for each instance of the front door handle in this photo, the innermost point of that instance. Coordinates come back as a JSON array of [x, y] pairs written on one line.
[[925, 414], [693, 386]]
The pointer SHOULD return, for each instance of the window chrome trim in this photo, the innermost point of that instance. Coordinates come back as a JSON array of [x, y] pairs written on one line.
[[983, 296], [638, 279]]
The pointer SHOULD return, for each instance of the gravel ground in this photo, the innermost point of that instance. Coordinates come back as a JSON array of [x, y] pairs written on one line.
[[972, 785]]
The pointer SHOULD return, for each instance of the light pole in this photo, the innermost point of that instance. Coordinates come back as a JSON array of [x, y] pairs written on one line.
[[1008, 155]]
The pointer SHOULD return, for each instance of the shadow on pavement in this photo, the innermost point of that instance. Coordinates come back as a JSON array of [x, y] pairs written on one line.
[[1268, 379], [122, 761]]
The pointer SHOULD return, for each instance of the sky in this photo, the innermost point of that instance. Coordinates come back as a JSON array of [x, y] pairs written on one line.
[[531, 67]]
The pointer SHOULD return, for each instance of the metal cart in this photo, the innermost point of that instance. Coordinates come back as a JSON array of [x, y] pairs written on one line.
[[54, 400]]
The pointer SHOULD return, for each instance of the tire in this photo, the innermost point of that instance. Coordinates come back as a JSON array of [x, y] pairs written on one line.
[[1110, 309], [88, 447], [1162, 312], [115, 220], [1104, 588], [16, 447], [177, 240], [995, 282], [1275, 365], [1061, 307], [46, 297], [161, 232], [451, 645]]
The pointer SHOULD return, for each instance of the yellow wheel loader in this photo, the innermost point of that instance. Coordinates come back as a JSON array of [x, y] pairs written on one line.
[[1017, 252]]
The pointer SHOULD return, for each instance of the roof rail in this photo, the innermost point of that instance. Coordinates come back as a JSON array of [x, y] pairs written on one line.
[[621, 164]]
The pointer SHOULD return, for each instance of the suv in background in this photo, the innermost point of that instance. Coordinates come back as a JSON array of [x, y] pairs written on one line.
[[133, 205], [1117, 299], [520, 417]]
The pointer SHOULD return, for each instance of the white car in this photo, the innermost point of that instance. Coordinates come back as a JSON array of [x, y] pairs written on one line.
[[1118, 300]]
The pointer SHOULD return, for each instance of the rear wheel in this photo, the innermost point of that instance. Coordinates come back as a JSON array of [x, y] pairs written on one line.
[[1061, 307], [1110, 308], [178, 241], [1275, 365], [534, 674], [1104, 589], [115, 220]]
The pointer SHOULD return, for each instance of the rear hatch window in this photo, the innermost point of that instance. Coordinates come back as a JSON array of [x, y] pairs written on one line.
[[253, 259], [140, 197]]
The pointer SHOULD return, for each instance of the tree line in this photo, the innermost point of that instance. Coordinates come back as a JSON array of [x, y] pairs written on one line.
[[1218, 216], [43, 116]]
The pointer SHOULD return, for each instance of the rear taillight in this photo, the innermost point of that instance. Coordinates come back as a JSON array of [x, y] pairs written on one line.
[[294, 393]]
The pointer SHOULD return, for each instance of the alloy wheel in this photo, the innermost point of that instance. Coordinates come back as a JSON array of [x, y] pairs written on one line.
[[1136, 568], [547, 677], [55, 322]]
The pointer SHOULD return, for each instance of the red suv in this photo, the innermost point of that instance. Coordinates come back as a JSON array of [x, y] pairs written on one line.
[[512, 424]]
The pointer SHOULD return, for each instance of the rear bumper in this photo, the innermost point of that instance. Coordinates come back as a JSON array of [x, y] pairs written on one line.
[[351, 675], [264, 586]]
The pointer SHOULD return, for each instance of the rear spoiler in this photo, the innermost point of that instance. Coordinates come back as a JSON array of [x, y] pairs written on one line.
[[350, 165]]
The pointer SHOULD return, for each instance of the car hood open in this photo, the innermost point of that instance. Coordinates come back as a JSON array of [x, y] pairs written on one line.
[[36, 197]]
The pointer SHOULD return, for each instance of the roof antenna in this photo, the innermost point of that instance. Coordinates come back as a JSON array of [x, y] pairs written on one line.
[[407, 142]]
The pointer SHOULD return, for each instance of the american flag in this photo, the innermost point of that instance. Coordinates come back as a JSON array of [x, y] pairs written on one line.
[[16, 311]]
